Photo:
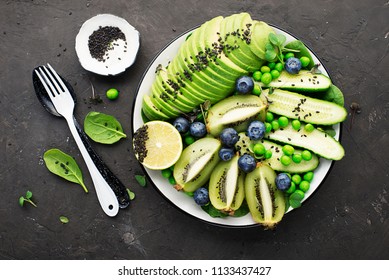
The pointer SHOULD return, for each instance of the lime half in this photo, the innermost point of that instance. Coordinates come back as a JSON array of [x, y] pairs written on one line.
[[157, 145]]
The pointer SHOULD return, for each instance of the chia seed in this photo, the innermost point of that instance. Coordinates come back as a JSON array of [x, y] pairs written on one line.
[[140, 139], [102, 40]]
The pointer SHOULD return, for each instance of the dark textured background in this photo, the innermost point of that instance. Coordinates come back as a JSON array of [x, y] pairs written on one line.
[[346, 219]]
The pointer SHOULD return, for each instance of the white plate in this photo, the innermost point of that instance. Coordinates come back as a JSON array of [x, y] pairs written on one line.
[[179, 199]]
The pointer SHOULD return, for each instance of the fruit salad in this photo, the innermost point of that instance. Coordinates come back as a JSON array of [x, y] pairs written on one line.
[[254, 114]]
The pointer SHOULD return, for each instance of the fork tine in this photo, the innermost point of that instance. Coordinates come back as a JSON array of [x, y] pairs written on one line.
[[58, 78], [53, 82], [44, 82]]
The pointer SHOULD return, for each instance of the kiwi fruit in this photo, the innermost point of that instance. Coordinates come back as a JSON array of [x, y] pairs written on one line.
[[194, 167], [266, 203], [226, 186], [235, 111]]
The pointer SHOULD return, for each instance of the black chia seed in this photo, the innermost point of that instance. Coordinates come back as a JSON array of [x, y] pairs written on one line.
[[140, 138], [102, 40]]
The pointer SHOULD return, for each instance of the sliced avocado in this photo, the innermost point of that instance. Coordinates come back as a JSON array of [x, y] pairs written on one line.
[[208, 42], [259, 38], [236, 37], [304, 81], [151, 111], [178, 96]]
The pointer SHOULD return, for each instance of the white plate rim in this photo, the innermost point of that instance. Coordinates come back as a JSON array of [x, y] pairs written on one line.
[[183, 202]]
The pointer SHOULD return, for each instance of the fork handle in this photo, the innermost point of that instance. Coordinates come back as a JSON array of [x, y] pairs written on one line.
[[116, 185], [105, 194]]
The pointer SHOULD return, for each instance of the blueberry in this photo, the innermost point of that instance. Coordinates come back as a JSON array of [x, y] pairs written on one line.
[[225, 154], [244, 84], [292, 65], [256, 130], [283, 181], [197, 129], [201, 196], [229, 137], [181, 124], [247, 163]]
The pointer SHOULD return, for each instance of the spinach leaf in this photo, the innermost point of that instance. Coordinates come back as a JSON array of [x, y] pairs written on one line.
[[242, 211], [334, 94], [213, 212], [103, 128], [64, 166], [303, 51]]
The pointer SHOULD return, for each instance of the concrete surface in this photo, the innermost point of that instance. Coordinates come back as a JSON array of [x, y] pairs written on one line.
[[346, 219]]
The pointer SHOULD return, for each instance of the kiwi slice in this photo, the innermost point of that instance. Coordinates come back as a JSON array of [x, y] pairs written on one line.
[[265, 201], [195, 165], [226, 186], [234, 111]]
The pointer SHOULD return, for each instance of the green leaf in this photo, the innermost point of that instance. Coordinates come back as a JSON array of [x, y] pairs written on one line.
[[242, 211], [328, 129], [103, 128], [270, 55], [273, 38], [295, 203], [141, 179], [213, 212], [334, 94], [21, 201], [64, 219], [269, 47], [130, 194], [28, 194], [281, 39], [64, 166], [299, 46]]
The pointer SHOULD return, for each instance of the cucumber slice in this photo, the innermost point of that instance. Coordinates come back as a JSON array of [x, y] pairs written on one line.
[[316, 141], [304, 81], [307, 109], [243, 146]]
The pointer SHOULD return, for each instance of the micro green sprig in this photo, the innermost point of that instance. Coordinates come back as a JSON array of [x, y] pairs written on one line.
[[275, 47], [26, 198]]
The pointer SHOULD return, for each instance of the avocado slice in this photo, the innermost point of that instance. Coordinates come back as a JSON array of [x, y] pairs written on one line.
[[151, 111], [236, 36], [259, 38]]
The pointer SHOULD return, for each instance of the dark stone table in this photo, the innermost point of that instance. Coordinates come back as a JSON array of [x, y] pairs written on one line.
[[346, 219]]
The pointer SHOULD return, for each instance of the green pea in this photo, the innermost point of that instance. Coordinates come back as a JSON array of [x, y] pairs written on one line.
[[304, 61], [304, 186], [306, 155], [285, 160], [296, 178], [266, 78], [172, 180], [288, 55], [166, 173], [275, 125], [271, 65], [309, 127], [274, 73], [268, 127], [256, 90], [296, 124], [283, 121], [269, 116], [265, 69], [288, 150], [189, 140], [279, 66], [297, 158], [292, 188], [259, 149], [308, 176], [268, 154], [112, 93], [257, 75]]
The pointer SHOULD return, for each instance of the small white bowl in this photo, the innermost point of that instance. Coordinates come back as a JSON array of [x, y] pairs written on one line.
[[118, 57]]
